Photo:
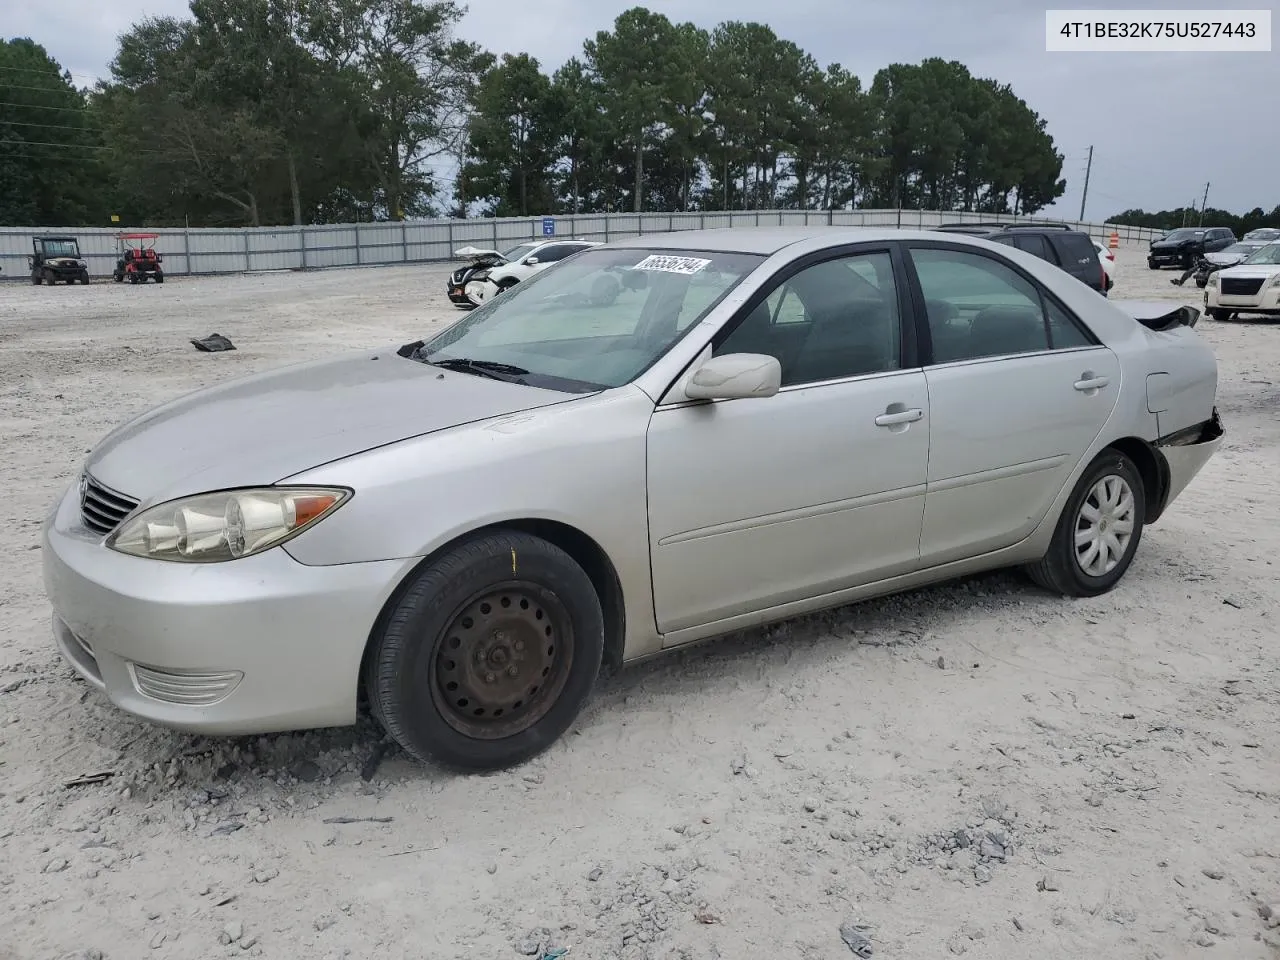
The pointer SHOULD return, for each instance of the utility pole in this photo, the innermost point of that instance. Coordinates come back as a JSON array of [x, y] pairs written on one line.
[[1087, 170], [1203, 203]]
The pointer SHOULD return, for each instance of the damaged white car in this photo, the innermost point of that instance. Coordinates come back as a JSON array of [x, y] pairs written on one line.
[[491, 272]]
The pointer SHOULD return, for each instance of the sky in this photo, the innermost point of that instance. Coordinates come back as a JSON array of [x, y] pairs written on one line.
[[1162, 125]]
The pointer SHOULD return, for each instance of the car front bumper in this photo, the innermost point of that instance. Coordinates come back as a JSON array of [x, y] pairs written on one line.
[[1170, 258], [256, 645], [1265, 301]]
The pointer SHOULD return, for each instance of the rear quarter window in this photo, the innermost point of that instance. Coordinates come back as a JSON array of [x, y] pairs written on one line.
[[1078, 247]]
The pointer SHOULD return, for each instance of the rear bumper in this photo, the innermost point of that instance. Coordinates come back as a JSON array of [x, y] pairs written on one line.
[[1186, 452]]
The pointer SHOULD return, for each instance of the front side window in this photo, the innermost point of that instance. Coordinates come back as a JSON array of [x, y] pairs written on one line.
[[833, 320], [598, 320], [978, 307]]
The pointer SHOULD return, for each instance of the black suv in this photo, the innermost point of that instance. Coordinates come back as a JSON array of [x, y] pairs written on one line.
[[1184, 246], [1058, 243]]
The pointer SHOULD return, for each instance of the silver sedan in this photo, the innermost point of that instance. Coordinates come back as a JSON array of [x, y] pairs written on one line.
[[656, 441]]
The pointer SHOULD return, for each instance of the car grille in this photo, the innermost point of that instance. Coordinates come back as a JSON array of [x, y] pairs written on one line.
[[1240, 287], [102, 508]]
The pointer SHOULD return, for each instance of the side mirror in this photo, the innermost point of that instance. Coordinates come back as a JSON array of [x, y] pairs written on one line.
[[735, 376], [531, 260]]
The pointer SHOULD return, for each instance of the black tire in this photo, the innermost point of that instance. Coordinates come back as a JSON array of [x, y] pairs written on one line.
[[84, 278], [1222, 316], [1152, 265], [117, 276], [159, 277], [35, 279], [133, 277], [50, 277], [1061, 569], [505, 285], [444, 706]]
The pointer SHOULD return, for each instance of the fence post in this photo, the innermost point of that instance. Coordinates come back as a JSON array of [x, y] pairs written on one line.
[[450, 240], [248, 263], [302, 243], [495, 234], [186, 246], [404, 242], [359, 257]]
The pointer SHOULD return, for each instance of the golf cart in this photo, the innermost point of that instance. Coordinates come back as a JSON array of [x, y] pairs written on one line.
[[136, 258], [57, 258]]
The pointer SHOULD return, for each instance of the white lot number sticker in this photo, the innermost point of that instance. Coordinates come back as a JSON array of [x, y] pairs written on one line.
[[686, 265]]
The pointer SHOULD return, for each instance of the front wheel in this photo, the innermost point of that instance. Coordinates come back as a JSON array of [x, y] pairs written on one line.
[[1098, 532], [1222, 316], [489, 653]]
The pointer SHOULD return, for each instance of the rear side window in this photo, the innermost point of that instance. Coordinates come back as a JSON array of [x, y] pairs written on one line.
[[1033, 243]]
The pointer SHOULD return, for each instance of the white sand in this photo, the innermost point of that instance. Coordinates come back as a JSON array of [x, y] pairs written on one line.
[[1125, 747]]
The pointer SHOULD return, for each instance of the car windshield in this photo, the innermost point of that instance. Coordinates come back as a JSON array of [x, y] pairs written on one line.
[[60, 248], [1239, 250], [518, 251], [594, 321], [1184, 234], [1268, 255]]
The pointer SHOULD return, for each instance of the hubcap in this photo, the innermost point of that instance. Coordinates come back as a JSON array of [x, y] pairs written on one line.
[[1104, 526], [503, 661]]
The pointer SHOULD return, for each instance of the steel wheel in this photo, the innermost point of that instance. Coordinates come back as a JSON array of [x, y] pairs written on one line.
[[1104, 525], [503, 662]]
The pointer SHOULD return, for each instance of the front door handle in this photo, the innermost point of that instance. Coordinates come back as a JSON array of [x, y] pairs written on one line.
[[1088, 382], [892, 419]]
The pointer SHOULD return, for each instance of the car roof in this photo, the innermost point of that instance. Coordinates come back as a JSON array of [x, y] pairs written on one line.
[[769, 240]]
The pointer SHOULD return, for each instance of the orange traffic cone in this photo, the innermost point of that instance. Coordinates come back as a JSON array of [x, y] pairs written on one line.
[[1114, 241]]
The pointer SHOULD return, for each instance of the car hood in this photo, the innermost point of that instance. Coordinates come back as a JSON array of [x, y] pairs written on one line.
[[482, 256], [1225, 258], [1251, 271], [1172, 244], [261, 429]]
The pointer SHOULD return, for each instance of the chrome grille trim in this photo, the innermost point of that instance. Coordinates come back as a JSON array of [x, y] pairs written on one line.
[[191, 689], [102, 508]]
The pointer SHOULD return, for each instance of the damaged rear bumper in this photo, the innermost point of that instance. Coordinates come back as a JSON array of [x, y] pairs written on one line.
[[1185, 452]]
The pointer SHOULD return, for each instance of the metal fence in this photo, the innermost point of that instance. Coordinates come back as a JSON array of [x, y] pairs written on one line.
[[248, 249]]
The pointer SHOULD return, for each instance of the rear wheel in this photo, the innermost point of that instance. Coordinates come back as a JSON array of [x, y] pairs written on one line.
[[488, 655], [1098, 532]]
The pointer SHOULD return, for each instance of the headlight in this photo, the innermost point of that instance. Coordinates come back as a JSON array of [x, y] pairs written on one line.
[[82, 263], [215, 527], [1275, 281], [1212, 281]]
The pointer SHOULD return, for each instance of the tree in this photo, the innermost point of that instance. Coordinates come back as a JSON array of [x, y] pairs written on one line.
[[514, 139], [51, 172], [632, 64], [409, 84]]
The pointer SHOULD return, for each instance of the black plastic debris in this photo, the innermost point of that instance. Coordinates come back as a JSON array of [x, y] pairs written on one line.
[[214, 343]]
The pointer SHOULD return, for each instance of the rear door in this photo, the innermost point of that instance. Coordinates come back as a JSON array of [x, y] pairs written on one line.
[[1018, 390]]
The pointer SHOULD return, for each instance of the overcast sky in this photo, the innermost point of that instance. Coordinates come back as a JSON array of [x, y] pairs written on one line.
[[1162, 125]]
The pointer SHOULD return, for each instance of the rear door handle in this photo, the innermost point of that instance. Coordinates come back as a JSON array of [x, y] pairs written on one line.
[[900, 416], [1088, 381]]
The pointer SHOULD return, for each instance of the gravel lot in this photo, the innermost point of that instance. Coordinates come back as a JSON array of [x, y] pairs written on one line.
[[975, 769]]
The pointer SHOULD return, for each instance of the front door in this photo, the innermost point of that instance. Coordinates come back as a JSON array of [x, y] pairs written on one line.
[[1018, 389], [758, 502]]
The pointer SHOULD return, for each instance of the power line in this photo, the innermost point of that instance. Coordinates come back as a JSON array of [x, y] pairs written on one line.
[[40, 106], [18, 86], [50, 126], [45, 73]]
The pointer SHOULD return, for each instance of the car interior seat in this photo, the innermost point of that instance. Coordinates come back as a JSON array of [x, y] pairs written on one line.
[[1006, 329]]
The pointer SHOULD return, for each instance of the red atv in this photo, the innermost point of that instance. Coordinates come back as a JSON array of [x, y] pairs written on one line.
[[136, 258]]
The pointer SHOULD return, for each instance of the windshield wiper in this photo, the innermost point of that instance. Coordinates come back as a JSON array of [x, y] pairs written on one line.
[[505, 372]]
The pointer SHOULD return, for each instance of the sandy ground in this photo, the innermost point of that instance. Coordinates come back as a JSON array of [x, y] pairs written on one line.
[[975, 769]]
